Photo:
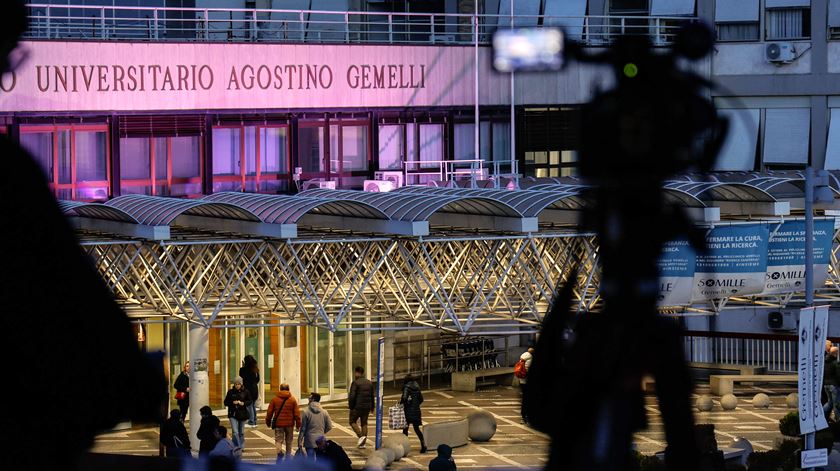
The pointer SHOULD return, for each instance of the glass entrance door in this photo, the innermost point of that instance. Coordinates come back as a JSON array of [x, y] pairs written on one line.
[[331, 358]]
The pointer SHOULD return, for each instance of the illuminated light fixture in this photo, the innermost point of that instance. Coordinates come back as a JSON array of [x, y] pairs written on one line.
[[141, 336]]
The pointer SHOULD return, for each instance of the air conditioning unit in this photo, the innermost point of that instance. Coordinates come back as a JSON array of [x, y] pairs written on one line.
[[379, 186], [397, 178], [780, 53], [318, 184]]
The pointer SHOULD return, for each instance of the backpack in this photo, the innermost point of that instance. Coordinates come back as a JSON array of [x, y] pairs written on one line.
[[519, 369]]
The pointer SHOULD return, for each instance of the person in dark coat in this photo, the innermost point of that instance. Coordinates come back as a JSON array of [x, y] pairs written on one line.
[[443, 461], [250, 374], [182, 388], [173, 436], [411, 400], [237, 401], [332, 452], [205, 434], [360, 402]]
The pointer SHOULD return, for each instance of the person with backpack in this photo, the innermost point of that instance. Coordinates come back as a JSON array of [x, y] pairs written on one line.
[[411, 399], [520, 370], [283, 416], [173, 436]]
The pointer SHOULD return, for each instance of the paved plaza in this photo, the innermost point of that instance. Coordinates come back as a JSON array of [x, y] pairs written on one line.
[[515, 445]]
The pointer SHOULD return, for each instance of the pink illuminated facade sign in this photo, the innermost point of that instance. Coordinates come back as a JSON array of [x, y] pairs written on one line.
[[112, 76]]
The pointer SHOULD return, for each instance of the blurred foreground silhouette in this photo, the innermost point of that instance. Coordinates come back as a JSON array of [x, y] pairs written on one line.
[[77, 367]]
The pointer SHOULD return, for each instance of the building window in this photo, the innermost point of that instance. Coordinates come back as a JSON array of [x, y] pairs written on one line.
[[75, 159], [391, 146], [788, 23], [349, 153], [311, 148], [737, 31], [175, 163], [551, 142], [251, 158], [737, 21]]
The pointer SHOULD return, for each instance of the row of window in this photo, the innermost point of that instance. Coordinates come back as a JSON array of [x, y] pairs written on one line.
[[783, 20], [77, 158]]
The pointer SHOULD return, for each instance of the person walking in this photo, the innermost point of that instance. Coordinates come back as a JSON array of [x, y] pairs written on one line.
[[411, 399], [250, 374], [831, 381], [314, 422], [237, 401], [206, 431], [443, 461], [360, 401], [173, 436], [182, 391], [332, 453], [523, 366], [283, 416]]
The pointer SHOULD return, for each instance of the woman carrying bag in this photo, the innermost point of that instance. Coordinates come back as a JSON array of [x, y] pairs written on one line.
[[411, 400], [237, 401]]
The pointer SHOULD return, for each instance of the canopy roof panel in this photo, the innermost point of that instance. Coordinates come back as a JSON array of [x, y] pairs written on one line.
[[284, 209], [405, 206], [96, 211], [528, 203], [720, 191], [160, 211]]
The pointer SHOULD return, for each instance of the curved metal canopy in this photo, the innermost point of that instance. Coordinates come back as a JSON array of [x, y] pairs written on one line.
[[410, 207], [96, 211], [672, 195], [720, 191], [160, 211], [528, 203], [284, 209]]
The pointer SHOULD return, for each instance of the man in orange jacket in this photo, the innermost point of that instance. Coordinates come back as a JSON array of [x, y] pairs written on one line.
[[284, 417]]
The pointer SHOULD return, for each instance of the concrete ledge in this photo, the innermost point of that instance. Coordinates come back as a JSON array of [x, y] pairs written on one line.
[[466, 380], [725, 384], [454, 434]]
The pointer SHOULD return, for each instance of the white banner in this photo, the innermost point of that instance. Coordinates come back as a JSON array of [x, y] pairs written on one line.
[[813, 328], [806, 371], [735, 263], [786, 255], [818, 357]]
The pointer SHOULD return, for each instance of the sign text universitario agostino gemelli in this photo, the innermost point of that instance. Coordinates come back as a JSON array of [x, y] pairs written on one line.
[[115, 76]]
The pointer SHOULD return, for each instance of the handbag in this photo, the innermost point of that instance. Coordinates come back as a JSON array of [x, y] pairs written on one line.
[[180, 395], [396, 417], [241, 413]]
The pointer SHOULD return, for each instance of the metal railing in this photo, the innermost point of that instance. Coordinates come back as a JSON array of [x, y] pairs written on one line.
[[83, 22], [444, 170], [777, 355]]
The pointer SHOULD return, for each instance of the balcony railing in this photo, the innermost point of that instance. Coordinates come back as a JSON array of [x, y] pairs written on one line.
[[113, 23]]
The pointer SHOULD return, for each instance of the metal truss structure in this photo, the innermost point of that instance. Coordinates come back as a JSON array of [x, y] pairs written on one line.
[[460, 260], [478, 283]]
